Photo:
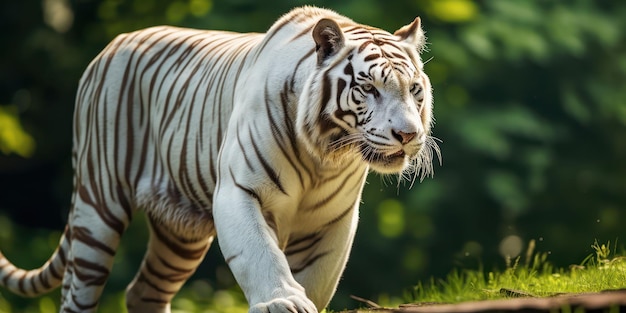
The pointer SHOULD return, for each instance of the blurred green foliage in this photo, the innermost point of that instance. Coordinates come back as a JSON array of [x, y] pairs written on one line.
[[13, 139], [530, 102]]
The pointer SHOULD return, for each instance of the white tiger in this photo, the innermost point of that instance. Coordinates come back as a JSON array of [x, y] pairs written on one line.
[[264, 140]]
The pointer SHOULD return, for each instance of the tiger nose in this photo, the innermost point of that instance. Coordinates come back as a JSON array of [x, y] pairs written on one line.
[[403, 137]]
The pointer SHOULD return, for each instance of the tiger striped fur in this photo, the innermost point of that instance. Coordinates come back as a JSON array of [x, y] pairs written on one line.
[[264, 140]]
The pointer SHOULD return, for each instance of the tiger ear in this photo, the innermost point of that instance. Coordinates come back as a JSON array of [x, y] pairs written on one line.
[[412, 34], [328, 39]]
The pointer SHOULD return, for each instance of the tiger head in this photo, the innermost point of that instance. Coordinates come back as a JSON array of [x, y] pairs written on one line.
[[374, 99]]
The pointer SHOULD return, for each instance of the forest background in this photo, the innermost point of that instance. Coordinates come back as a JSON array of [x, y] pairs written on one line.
[[530, 105]]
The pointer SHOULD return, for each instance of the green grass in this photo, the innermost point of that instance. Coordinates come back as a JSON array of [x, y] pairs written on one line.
[[533, 276]]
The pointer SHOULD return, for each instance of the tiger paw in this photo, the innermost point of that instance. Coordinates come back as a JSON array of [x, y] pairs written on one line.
[[291, 304]]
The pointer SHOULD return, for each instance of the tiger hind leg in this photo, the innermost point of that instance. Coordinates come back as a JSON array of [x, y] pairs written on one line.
[[169, 261], [96, 226]]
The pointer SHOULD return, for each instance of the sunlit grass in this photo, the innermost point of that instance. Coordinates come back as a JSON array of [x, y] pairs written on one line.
[[532, 277]]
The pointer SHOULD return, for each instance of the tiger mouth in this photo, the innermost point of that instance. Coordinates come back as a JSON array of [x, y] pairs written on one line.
[[383, 158], [398, 154]]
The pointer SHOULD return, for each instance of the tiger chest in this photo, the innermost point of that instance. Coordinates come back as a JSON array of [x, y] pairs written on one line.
[[328, 202]]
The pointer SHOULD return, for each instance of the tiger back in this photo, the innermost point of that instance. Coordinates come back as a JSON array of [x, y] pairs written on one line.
[[263, 140]]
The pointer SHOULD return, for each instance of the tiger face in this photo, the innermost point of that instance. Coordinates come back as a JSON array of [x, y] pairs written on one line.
[[376, 99]]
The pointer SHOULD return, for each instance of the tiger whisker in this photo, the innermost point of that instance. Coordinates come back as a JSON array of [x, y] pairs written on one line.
[[431, 141], [346, 141], [422, 166]]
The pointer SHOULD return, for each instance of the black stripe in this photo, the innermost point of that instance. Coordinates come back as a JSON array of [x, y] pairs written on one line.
[[62, 255], [326, 92], [54, 272], [7, 276], [274, 30], [240, 143], [278, 131], [124, 203], [336, 192], [303, 239], [313, 241], [83, 234], [341, 216], [182, 252], [103, 212], [33, 287], [290, 128], [292, 81], [308, 263], [172, 267], [172, 278], [20, 282], [249, 191], [43, 279], [231, 258], [271, 173], [97, 279], [371, 57]]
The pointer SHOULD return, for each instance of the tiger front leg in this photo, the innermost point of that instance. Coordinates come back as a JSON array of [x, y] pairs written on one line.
[[318, 260], [251, 250]]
